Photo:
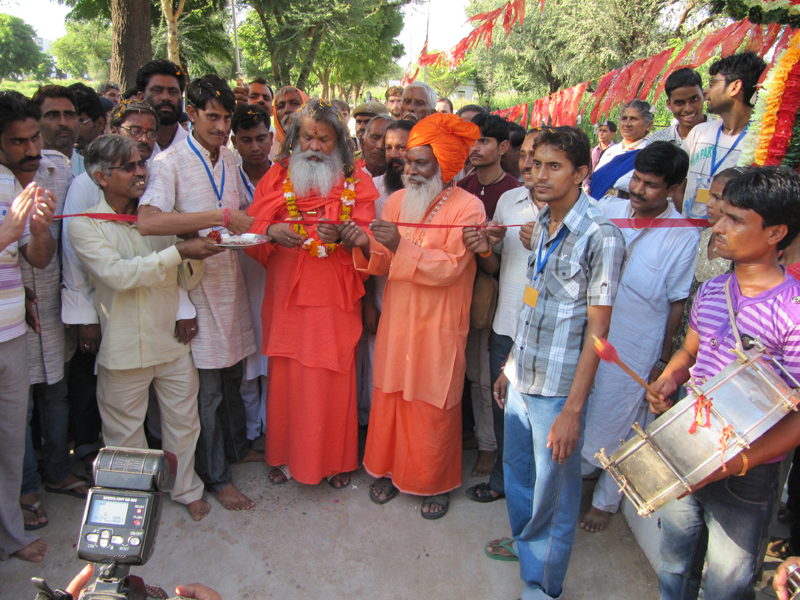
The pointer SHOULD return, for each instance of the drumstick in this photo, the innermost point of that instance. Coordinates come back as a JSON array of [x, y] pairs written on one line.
[[608, 353]]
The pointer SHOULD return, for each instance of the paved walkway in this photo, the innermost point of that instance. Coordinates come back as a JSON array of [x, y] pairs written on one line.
[[317, 542]]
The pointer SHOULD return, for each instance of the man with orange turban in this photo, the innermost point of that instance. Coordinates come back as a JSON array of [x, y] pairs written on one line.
[[414, 438]]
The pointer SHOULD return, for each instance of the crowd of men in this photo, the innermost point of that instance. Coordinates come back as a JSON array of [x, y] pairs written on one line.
[[438, 258]]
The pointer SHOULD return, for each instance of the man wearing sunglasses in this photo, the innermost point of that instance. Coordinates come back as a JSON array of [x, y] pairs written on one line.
[[139, 121], [136, 282]]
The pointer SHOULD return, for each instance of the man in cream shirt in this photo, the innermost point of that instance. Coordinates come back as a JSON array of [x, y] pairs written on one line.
[[136, 283]]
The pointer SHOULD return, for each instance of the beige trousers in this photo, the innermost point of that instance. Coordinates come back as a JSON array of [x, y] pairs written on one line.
[[122, 397]]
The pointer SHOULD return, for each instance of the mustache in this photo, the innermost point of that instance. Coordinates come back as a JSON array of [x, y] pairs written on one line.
[[166, 104], [30, 159], [309, 154], [395, 164]]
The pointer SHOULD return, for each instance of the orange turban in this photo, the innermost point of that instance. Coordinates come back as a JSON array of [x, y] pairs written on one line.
[[449, 137], [280, 134]]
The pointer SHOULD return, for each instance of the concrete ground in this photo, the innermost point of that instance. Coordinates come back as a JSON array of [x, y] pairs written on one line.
[[317, 542]]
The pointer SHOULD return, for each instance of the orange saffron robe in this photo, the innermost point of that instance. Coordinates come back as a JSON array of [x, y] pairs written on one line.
[[415, 422], [311, 320]]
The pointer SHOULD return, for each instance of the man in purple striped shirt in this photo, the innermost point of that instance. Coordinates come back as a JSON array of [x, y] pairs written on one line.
[[729, 515]]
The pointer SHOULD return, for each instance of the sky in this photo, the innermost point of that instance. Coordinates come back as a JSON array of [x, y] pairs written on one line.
[[447, 20]]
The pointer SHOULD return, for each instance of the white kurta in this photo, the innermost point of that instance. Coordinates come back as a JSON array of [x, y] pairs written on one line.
[[659, 271]]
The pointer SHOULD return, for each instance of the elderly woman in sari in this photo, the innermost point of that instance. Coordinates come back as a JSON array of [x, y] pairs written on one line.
[[615, 168]]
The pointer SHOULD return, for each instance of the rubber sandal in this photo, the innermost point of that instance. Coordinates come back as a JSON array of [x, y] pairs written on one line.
[[343, 485], [481, 493], [69, 490], [34, 508], [283, 469], [443, 499], [381, 486], [508, 545]]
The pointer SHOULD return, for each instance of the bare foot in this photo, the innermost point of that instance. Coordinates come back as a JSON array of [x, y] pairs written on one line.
[[253, 456], [232, 499], [32, 519], [484, 464], [501, 547], [595, 520], [72, 479], [199, 509], [33, 552]]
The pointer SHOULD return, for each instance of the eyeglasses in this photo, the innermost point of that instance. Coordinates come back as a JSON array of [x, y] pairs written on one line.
[[131, 166], [84, 122], [136, 132], [714, 80]]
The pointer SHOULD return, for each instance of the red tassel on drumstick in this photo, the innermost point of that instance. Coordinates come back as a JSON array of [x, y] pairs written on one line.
[[608, 353]]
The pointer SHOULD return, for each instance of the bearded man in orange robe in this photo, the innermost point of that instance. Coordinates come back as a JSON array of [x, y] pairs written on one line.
[[414, 438], [312, 303]]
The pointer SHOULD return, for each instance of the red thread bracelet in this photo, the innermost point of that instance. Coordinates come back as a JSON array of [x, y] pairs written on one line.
[[226, 217]]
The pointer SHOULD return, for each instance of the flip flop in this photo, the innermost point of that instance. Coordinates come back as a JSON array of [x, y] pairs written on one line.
[[481, 493], [508, 545], [34, 508], [443, 499], [381, 486], [69, 490], [343, 485], [287, 476]]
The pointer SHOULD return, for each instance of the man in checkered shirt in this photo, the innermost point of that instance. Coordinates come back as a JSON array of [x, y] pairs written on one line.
[[574, 271]]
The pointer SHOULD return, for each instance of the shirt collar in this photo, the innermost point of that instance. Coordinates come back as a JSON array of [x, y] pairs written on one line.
[[740, 301], [573, 219]]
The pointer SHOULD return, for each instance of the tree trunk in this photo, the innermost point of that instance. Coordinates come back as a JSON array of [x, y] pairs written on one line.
[[131, 45], [171, 17], [305, 71]]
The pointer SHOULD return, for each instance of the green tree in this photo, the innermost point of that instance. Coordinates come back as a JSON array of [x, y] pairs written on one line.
[[578, 40], [292, 33], [85, 50], [19, 52], [445, 81]]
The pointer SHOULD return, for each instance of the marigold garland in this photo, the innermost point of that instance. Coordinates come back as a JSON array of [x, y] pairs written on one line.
[[771, 98], [792, 158], [312, 246], [787, 113]]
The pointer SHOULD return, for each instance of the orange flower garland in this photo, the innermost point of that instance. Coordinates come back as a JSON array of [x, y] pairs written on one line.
[[312, 246]]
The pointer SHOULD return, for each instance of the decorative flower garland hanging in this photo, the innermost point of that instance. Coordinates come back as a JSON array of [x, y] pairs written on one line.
[[312, 246], [772, 131]]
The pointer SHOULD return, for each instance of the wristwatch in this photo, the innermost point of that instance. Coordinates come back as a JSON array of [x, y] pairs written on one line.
[[661, 365]]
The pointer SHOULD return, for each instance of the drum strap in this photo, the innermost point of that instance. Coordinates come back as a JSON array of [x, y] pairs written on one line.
[[732, 315]]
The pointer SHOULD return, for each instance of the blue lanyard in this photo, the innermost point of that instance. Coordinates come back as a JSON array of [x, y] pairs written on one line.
[[541, 262], [714, 164], [248, 186], [218, 191]]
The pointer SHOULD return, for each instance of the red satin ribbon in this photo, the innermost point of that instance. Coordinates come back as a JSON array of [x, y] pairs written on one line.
[[622, 223]]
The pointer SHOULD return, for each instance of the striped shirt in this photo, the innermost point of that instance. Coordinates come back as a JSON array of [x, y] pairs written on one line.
[[12, 296], [772, 316], [179, 181], [585, 270]]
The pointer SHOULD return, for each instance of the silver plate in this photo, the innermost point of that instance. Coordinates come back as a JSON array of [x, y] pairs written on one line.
[[246, 240]]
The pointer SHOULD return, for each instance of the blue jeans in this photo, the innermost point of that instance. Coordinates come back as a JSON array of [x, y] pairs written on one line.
[[53, 408], [731, 517], [543, 496], [223, 425], [498, 353]]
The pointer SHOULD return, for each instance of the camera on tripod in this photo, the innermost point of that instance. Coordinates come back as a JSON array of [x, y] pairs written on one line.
[[121, 518]]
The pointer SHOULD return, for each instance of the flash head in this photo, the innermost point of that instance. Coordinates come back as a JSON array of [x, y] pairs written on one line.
[[132, 469]]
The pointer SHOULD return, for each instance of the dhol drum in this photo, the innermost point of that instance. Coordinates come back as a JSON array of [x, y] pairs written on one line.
[[695, 437]]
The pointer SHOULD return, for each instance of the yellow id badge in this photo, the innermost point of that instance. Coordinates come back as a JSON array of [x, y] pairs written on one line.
[[531, 296], [703, 196]]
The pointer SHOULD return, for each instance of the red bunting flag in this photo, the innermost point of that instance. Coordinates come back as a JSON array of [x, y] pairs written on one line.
[[600, 93], [573, 106], [650, 78], [675, 64], [732, 42]]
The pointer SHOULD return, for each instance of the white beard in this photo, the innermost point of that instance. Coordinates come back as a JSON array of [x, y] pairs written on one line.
[[420, 194], [308, 175]]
